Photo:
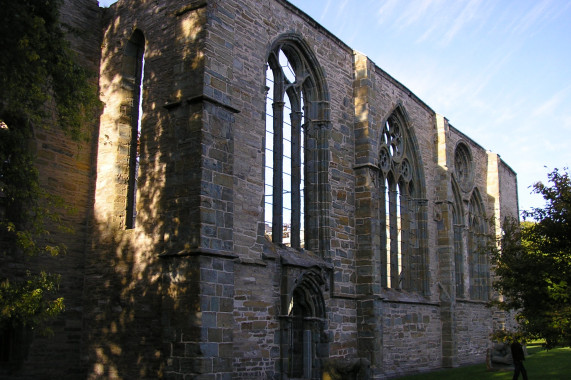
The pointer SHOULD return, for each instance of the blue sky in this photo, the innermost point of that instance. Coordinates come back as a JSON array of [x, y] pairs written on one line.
[[499, 70]]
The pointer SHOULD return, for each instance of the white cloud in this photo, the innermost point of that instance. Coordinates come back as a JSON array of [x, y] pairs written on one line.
[[550, 105], [385, 10], [566, 122], [325, 10], [468, 13], [414, 11], [341, 8], [533, 18]]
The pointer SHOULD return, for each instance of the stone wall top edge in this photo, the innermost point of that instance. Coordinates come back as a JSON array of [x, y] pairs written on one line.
[[315, 24], [506, 166], [466, 137], [401, 86]]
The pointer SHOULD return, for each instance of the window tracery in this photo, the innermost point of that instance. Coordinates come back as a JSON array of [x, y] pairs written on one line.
[[401, 263]]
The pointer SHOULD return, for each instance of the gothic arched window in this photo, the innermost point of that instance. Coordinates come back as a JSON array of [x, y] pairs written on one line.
[[478, 261], [295, 108], [402, 265]]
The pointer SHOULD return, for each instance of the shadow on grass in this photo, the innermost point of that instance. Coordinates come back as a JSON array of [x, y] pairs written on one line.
[[541, 364]]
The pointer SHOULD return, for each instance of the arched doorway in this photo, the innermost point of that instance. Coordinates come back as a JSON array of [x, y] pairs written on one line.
[[303, 330]]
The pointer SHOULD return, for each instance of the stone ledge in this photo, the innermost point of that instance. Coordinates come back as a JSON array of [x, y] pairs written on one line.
[[402, 296], [465, 300], [251, 262], [199, 99], [191, 7], [345, 296], [205, 98], [305, 259], [200, 252]]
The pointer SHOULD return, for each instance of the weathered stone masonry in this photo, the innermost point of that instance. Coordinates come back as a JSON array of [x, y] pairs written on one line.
[[179, 278]]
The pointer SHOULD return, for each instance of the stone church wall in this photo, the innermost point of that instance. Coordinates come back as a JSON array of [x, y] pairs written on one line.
[[473, 326], [412, 338], [191, 286]]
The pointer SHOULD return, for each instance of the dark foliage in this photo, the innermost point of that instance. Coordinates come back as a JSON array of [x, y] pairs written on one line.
[[534, 264], [41, 87]]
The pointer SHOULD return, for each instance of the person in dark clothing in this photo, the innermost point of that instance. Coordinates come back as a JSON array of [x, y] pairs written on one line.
[[518, 357]]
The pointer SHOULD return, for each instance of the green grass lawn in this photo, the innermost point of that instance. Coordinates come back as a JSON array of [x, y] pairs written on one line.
[[540, 364]]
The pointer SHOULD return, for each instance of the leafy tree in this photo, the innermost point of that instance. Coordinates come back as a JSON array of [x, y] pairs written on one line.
[[41, 87], [534, 264]]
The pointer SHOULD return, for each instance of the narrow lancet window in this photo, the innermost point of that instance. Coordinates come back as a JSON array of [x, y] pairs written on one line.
[[284, 199], [133, 64]]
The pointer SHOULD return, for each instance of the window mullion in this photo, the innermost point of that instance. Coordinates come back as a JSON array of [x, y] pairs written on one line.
[[295, 116], [394, 247], [383, 221], [406, 259], [278, 111]]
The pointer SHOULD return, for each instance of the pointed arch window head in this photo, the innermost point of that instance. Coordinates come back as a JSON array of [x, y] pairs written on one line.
[[463, 167]]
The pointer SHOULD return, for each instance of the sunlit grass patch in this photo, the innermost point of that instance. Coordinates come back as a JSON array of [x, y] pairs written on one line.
[[540, 364]]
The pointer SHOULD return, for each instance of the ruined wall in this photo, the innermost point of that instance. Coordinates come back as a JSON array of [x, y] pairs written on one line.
[[412, 338], [200, 213], [191, 286], [245, 80], [256, 323], [124, 273], [65, 170], [473, 327], [508, 191]]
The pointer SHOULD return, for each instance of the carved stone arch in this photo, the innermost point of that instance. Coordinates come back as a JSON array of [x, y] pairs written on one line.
[[476, 209], [300, 54], [311, 283], [401, 112], [403, 174], [391, 179], [304, 342]]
